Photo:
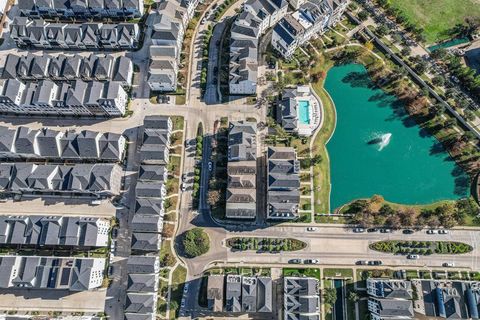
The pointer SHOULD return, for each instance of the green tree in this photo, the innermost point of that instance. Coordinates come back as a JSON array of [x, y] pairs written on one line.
[[363, 15], [353, 296], [330, 295], [195, 242]]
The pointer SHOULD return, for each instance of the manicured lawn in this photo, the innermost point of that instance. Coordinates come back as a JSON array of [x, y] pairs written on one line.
[[177, 122], [343, 273], [437, 16], [178, 281], [301, 272]]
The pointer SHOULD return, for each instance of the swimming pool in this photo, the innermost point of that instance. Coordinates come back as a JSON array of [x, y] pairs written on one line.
[[304, 111]]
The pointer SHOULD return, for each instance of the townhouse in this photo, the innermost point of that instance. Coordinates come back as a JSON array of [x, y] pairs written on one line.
[[91, 180], [301, 298], [243, 294], [52, 273], [45, 143], [82, 9], [39, 34], [169, 26], [312, 17], [242, 169], [52, 231], [256, 18], [283, 183], [78, 98], [390, 299]]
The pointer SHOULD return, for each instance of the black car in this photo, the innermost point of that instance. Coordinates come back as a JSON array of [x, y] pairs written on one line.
[[361, 262], [372, 229], [295, 261], [408, 231]]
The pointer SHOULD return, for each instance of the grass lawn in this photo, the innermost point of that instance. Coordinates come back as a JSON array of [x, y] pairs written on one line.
[[177, 122], [343, 273], [302, 272], [321, 172], [180, 99], [178, 281], [437, 16]]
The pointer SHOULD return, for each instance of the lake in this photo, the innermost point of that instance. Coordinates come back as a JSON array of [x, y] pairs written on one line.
[[377, 149]]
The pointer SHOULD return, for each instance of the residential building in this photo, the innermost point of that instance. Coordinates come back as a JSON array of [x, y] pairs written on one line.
[[389, 288], [384, 309], [51, 231], [233, 293], [82, 9], [26, 32], [28, 179], [267, 11], [53, 273], [241, 170], [142, 303], [147, 223], [301, 298], [312, 17], [449, 299], [215, 292], [143, 264], [146, 242], [283, 183], [143, 282], [45, 143]]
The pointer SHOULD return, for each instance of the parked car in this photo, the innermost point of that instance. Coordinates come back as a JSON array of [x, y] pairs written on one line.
[[184, 177], [413, 256], [210, 166], [386, 230], [408, 231], [185, 288], [184, 187], [372, 229], [361, 262], [311, 229], [375, 263], [448, 264], [295, 261], [311, 261], [432, 231], [114, 232], [110, 271], [358, 230], [442, 231]]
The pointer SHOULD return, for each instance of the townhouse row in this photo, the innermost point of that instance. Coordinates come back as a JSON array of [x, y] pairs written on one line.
[[256, 18], [77, 98], [147, 223], [72, 274], [283, 179], [258, 296], [39, 34], [35, 231], [439, 299], [45, 143], [33, 67], [89, 180], [169, 26], [142, 287], [86, 9]]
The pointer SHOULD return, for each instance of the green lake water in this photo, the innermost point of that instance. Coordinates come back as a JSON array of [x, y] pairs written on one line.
[[377, 149]]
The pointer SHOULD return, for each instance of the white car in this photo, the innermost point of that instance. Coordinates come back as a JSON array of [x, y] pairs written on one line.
[[185, 288], [210, 166], [449, 264], [442, 231], [184, 187], [413, 256], [432, 231], [311, 229]]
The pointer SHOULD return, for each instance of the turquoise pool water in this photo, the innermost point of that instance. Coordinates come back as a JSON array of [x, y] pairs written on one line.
[[304, 111], [448, 44], [377, 149]]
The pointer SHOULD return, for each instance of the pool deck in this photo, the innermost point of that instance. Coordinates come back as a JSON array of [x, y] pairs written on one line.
[[314, 113]]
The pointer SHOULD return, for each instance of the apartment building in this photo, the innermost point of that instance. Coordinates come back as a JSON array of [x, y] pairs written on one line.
[[39, 34], [246, 294], [390, 299], [51, 231], [283, 183], [242, 170], [312, 17], [53, 273]]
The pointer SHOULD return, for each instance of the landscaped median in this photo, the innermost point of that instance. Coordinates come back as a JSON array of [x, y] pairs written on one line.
[[421, 247], [265, 244]]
